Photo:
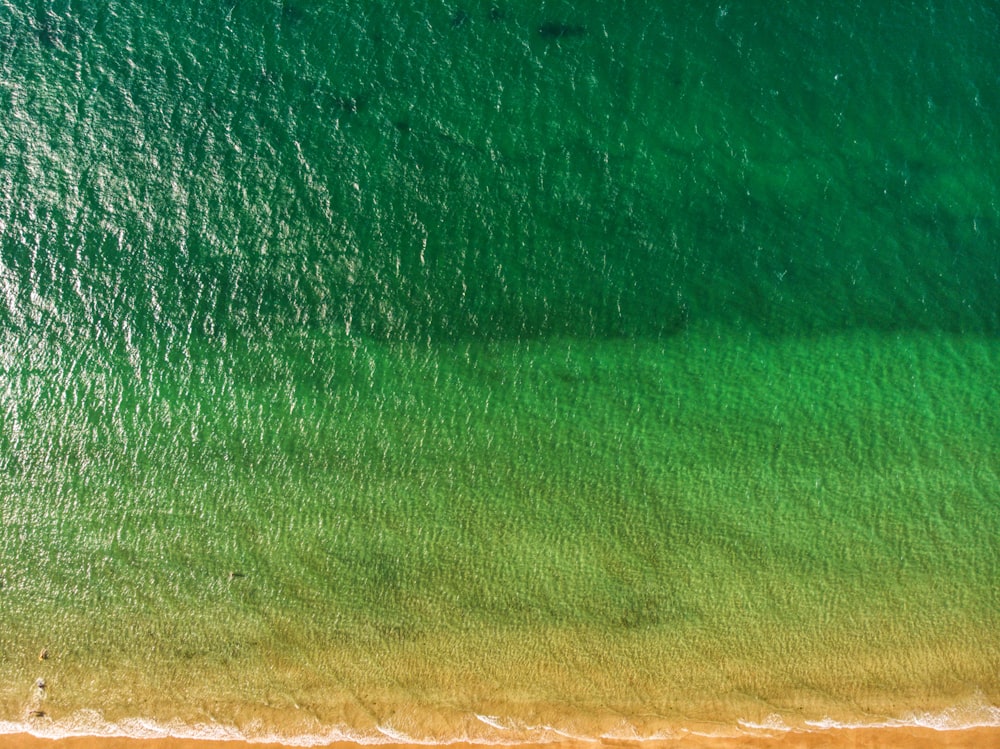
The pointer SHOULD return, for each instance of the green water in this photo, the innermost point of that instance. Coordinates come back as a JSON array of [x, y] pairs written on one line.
[[604, 369]]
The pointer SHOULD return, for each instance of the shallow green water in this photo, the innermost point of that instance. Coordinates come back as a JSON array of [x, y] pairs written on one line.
[[570, 365]]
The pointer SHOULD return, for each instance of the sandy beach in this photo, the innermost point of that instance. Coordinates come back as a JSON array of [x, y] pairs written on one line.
[[889, 738]]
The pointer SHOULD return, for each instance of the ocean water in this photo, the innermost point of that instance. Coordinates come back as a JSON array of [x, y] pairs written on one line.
[[497, 370]]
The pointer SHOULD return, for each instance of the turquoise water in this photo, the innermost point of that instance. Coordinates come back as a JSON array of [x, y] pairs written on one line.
[[600, 369]]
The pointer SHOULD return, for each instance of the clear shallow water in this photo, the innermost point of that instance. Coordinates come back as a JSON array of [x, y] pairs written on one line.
[[636, 373]]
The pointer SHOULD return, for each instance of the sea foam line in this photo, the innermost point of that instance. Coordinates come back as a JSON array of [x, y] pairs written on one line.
[[975, 714], [91, 723], [950, 719]]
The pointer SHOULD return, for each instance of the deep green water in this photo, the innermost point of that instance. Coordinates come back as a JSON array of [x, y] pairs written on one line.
[[605, 366]]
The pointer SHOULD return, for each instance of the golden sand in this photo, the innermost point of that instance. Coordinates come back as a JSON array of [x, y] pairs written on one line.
[[889, 738]]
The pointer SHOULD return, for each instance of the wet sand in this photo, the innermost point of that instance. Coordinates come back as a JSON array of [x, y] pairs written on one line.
[[889, 738]]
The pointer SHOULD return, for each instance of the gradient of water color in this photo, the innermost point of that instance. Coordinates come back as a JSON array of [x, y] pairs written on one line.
[[497, 371]]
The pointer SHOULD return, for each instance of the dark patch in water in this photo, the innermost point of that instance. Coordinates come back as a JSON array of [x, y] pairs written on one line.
[[558, 30], [292, 15], [55, 32], [350, 104], [497, 14], [460, 19], [344, 105]]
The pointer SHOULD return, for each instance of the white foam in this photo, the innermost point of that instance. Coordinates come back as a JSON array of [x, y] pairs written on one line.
[[491, 722], [951, 719], [772, 722], [977, 713], [959, 718], [91, 723], [628, 732]]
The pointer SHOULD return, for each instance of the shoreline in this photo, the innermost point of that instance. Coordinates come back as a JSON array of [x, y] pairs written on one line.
[[969, 723], [895, 737]]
